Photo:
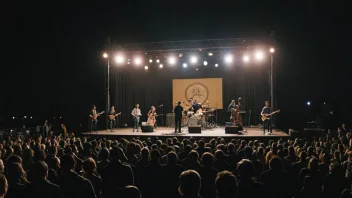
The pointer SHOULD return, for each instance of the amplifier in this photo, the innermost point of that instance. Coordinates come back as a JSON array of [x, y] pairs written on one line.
[[232, 129], [194, 129], [147, 129], [170, 119]]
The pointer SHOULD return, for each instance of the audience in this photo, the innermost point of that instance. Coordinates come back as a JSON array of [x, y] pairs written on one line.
[[55, 166]]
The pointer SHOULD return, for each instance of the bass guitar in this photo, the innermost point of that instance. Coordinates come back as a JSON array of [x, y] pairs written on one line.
[[98, 114], [266, 116], [111, 117]]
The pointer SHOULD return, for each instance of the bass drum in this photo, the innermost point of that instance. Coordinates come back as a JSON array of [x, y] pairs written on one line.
[[192, 122]]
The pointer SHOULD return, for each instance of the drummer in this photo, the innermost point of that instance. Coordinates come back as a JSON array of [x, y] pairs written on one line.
[[195, 106]]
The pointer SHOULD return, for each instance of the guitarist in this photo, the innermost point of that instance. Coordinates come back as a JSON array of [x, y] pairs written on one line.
[[267, 122], [136, 113], [93, 114], [112, 121]]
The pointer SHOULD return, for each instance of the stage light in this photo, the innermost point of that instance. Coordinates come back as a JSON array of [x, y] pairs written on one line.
[[228, 58], [161, 65], [308, 103], [184, 64], [272, 50], [197, 69], [150, 60], [205, 63], [210, 53], [146, 67], [128, 63], [259, 55], [172, 60], [119, 59], [216, 65], [180, 55], [31, 117], [246, 58], [24, 117], [137, 61], [194, 59], [13, 117], [157, 60], [105, 55]]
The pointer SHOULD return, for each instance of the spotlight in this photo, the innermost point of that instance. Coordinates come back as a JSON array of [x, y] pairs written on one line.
[[210, 53], [161, 65], [245, 58], [194, 59], [146, 67], [150, 60], [119, 59], [184, 64], [13, 117], [205, 63], [137, 61], [180, 55], [272, 50], [172, 60], [308, 103], [157, 60], [128, 63], [197, 69], [31, 117], [105, 55], [24, 117], [259, 55], [228, 58], [60, 117], [216, 65]]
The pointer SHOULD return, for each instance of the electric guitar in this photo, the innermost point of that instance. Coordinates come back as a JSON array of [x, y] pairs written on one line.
[[266, 116], [111, 117], [98, 114]]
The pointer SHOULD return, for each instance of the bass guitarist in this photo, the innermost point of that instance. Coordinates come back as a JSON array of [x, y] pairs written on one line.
[[136, 113]]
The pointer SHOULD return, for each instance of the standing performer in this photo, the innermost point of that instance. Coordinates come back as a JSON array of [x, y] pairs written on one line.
[[152, 117], [178, 117], [112, 121], [93, 116], [266, 111], [136, 113]]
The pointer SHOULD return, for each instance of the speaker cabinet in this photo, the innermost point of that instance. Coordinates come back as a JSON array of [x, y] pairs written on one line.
[[232, 129], [170, 119], [194, 129], [147, 129]]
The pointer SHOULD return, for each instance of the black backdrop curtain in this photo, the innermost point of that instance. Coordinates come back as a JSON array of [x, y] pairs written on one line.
[[131, 85]]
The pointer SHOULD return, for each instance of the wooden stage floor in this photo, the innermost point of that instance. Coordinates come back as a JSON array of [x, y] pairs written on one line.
[[167, 131]]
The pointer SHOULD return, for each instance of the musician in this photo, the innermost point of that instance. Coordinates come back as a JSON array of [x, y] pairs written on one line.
[[232, 106], [152, 116], [112, 122], [267, 123], [178, 117], [93, 123], [195, 106], [136, 113]]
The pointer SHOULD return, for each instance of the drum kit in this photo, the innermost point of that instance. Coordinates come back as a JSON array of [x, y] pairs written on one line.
[[204, 117]]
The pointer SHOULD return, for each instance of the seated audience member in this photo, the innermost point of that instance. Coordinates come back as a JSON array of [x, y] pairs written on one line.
[[116, 175], [3, 186], [190, 183], [72, 184], [17, 180], [171, 173], [208, 174], [131, 192], [226, 185], [247, 187], [89, 167], [40, 186]]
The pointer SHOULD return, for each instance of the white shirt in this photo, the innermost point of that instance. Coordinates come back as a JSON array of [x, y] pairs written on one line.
[[136, 112]]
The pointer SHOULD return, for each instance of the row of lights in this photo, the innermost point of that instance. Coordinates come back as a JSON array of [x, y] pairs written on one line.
[[25, 117], [172, 60]]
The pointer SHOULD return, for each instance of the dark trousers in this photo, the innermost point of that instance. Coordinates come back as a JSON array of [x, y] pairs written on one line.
[[93, 125], [136, 123], [178, 125], [267, 125], [112, 123]]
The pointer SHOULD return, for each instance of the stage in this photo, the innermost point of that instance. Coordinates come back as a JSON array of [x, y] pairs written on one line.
[[249, 133]]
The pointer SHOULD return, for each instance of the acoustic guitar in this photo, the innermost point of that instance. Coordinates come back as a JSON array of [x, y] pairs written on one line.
[[265, 117], [98, 114], [111, 117]]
